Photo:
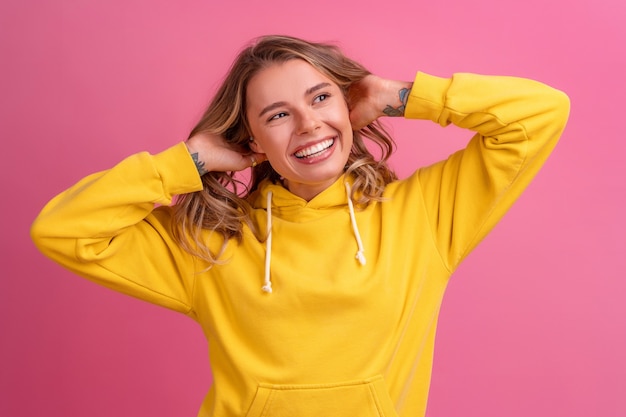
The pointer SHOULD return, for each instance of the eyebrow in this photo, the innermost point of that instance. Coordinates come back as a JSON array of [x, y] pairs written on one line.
[[315, 88], [283, 103]]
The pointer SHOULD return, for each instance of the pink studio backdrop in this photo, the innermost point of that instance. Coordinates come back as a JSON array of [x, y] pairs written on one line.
[[534, 322]]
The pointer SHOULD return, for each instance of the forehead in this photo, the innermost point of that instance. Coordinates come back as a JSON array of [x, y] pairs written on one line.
[[283, 81]]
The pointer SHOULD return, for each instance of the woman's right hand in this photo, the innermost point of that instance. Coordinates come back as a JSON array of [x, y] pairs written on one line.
[[212, 153]]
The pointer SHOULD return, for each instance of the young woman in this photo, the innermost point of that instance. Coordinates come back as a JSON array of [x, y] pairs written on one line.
[[318, 286]]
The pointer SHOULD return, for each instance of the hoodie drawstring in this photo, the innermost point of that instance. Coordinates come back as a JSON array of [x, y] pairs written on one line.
[[360, 255], [267, 286]]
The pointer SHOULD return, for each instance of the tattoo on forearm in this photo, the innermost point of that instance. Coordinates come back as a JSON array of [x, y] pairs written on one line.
[[403, 94], [199, 164]]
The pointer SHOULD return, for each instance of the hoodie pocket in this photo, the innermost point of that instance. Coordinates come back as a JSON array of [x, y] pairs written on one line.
[[363, 398]]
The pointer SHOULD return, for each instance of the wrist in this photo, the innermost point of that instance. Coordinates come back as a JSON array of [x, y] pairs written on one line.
[[195, 156], [396, 98]]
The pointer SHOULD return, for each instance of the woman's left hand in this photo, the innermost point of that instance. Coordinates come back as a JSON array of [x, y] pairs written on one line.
[[373, 97]]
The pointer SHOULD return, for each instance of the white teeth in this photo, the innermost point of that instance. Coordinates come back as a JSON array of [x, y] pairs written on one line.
[[317, 148]]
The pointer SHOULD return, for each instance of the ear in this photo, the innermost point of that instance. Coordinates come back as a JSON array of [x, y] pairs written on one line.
[[254, 145]]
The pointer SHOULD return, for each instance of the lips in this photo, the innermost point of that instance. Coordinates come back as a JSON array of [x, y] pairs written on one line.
[[314, 150]]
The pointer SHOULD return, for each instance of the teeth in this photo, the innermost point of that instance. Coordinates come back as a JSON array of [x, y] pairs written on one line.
[[317, 148]]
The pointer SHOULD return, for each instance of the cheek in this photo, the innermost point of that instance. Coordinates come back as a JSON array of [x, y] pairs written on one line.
[[264, 138], [272, 142], [340, 115]]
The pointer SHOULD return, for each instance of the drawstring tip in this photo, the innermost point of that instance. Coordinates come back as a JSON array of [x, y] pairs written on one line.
[[361, 257], [267, 288]]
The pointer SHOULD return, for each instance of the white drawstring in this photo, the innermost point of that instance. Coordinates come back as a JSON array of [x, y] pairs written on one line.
[[267, 286], [360, 255]]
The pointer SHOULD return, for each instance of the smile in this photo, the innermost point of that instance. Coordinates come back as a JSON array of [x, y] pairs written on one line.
[[315, 149]]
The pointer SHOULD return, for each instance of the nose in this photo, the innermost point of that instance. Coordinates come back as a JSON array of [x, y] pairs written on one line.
[[308, 122]]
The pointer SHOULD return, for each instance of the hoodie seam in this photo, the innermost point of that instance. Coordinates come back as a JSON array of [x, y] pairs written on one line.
[[432, 234]]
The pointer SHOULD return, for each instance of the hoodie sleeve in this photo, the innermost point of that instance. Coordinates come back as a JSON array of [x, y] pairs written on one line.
[[517, 124], [106, 228]]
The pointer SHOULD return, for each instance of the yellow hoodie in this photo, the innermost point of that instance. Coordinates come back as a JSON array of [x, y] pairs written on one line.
[[335, 337]]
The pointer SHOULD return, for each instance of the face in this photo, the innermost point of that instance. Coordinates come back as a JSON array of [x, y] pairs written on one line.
[[300, 121]]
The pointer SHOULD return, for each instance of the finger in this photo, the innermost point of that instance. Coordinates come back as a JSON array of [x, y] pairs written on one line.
[[256, 158]]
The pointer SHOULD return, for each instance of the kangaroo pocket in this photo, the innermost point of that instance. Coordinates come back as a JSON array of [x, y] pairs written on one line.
[[363, 398]]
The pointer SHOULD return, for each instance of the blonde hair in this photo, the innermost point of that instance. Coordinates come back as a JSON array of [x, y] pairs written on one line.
[[222, 206]]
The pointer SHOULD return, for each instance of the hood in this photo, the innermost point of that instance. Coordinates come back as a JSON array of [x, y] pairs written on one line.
[[289, 206]]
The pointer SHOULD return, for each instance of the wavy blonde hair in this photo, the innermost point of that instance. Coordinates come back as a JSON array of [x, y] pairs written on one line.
[[222, 206]]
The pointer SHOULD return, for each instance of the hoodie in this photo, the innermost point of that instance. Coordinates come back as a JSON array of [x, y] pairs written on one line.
[[335, 314]]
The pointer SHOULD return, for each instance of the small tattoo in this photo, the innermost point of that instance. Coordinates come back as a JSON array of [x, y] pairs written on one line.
[[404, 96], [398, 111], [199, 164], [391, 112]]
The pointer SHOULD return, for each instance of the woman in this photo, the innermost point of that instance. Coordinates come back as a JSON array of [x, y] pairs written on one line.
[[319, 287]]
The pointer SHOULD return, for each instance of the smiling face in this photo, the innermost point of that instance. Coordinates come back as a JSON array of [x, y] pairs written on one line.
[[300, 121]]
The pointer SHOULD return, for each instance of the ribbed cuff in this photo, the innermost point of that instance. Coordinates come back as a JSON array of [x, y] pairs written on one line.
[[427, 97], [177, 171]]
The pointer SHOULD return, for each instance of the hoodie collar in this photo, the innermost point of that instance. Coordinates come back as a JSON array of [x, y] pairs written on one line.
[[289, 206]]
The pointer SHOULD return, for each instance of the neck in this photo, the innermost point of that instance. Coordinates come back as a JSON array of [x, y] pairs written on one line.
[[305, 191]]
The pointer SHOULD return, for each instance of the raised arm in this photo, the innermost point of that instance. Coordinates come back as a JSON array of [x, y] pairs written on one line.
[[518, 123], [106, 228]]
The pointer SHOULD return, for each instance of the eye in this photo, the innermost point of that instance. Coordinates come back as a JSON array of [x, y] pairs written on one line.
[[277, 116], [321, 97]]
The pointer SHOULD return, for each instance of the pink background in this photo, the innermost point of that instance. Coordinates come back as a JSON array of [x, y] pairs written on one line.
[[534, 322]]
